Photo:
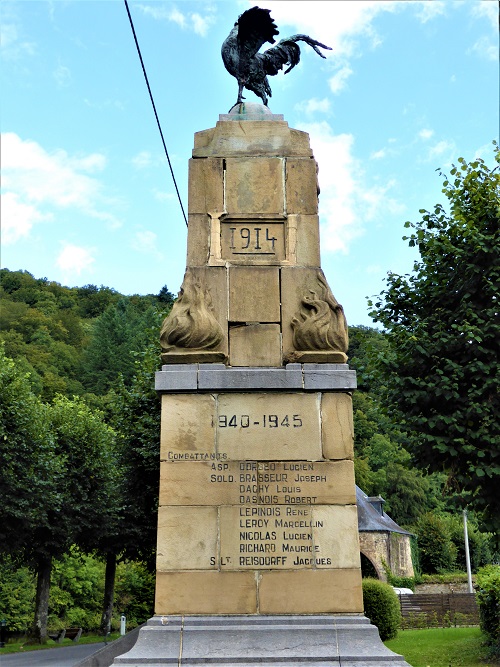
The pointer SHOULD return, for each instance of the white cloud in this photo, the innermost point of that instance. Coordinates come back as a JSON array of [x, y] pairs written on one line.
[[147, 242], [13, 47], [163, 196], [201, 24], [75, 259], [484, 48], [425, 133], [62, 76], [346, 202], [338, 80], [142, 160], [187, 21], [487, 8], [37, 183], [378, 155], [338, 24], [313, 105], [429, 9], [444, 150], [18, 218]]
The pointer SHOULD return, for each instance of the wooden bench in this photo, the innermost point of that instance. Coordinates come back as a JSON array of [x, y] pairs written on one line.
[[67, 633]]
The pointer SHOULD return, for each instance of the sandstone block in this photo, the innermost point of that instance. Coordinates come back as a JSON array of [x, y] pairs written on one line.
[[337, 426], [269, 426], [198, 240], [252, 242], [261, 137], [187, 538], [335, 534], [255, 345], [254, 185], [225, 482], [206, 185], [308, 246], [254, 294], [310, 592], [187, 425], [301, 186], [205, 593]]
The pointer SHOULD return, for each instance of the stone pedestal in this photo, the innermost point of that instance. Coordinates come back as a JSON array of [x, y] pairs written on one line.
[[263, 641], [257, 499], [257, 523]]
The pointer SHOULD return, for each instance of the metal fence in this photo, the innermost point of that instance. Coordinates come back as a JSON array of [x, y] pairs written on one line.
[[438, 610]]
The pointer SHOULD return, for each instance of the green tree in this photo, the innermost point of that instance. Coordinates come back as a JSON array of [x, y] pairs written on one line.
[[442, 327], [28, 497], [437, 553], [120, 332], [84, 447]]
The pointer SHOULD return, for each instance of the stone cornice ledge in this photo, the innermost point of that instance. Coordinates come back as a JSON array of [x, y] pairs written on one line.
[[180, 378]]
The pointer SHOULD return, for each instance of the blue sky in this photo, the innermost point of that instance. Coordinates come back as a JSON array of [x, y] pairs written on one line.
[[87, 194]]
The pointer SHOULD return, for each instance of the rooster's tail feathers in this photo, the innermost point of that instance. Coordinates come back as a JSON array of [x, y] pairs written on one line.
[[287, 52]]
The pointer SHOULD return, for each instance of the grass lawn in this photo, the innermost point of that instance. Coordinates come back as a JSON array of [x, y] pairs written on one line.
[[21, 647], [441, 647]]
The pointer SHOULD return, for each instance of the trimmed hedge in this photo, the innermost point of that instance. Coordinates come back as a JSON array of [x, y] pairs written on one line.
[[382, 607], [488, 597]]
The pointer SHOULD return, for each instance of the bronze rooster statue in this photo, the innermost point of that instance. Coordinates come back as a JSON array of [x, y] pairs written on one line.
[[242, 59]]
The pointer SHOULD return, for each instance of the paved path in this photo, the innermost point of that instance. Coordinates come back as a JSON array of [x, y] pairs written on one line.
[[64, 656]]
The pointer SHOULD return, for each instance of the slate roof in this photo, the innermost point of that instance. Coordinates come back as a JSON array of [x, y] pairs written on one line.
[[369, 519]]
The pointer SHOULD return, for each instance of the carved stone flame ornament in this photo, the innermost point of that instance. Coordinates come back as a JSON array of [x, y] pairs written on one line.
[[190, 332], [320, 329]]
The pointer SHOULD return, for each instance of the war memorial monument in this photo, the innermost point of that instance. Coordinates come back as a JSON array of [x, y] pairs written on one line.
[[258, 558]]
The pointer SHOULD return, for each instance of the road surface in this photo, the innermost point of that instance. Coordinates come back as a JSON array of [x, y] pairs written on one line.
[[64, 656]]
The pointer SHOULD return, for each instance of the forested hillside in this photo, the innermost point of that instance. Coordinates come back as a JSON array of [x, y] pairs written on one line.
[[80, 448]]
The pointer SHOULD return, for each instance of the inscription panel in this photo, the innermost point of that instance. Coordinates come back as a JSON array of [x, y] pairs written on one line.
[[252, 242], [257, 483], [284, 537], [265, 427]]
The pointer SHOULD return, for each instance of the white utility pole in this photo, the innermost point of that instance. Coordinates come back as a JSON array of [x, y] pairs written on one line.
[[467, 555]]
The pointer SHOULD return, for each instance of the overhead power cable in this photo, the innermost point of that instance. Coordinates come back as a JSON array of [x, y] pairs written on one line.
[[154, 109]]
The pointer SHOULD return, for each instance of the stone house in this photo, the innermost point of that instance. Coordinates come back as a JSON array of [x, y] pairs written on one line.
[[381, 540]]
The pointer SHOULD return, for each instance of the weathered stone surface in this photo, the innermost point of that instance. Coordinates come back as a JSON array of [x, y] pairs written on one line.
[[284, 537], [187, 425], [255, 345], [205, 593], [301, 186], [177, 378], [326, 377], [206, 185], [335, 533], [269, 426], [197, 321], [261, 302], [254, 185], [266, 138], [218, 482], [310, 592], [271, 641], [337, 426], [187, 538], [296, 282], [303, 240], [253, 242], [215, 377], [198, 244]]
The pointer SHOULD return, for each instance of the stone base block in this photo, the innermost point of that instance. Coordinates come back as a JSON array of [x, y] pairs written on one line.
[[263, 641]]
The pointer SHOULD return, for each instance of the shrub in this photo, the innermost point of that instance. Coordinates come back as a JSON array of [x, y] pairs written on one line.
[[382, 607], [488, 597]]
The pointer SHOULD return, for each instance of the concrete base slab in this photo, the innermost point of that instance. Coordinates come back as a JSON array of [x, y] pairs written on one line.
[[260, 641]]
